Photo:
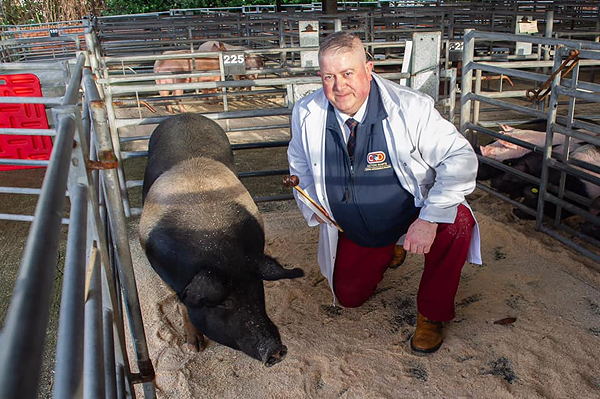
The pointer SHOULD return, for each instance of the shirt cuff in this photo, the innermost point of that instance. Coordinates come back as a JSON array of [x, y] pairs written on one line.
[[438, 215]]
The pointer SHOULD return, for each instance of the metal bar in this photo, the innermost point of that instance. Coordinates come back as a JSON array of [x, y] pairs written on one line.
[[537, 77], [132, 89], [238, 129], [580, 234], [116, 148], [93, 361], [280, 197], [33, 100], [509, 169], [505, 94], [561, 203], [548, 32], [571, 244], [566, 167], [553, 111], [212, 115], [279, 50], [26, 162], [506, 105], [534, 64], [24, 218], [589, 55], [580, 124], [501, 136], [578, 94], [69, 348], [242, 175], [530, 39], [28, 132], [476, 104], [72, 89], [100, 229], [25, 325], [264, 144], [20, 190], [466, 82], [120, 381], [110, 380], [19, 66], [119, 230], [503, 197], [567, 143]]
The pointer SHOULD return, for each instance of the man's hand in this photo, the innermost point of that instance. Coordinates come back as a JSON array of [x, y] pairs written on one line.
[[420, 236]]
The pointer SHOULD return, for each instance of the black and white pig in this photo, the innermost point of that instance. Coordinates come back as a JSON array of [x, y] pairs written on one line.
[[203, 235]]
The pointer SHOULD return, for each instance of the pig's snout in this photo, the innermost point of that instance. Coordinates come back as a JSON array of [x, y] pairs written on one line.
[[275, 356]]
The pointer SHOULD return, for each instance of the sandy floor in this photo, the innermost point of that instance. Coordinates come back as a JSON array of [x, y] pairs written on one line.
[[551, 350]]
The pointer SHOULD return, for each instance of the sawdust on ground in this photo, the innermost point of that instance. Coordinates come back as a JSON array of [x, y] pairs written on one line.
[[551, 350]]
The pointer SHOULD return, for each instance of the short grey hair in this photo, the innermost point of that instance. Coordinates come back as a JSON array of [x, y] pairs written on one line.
[[340, 41]]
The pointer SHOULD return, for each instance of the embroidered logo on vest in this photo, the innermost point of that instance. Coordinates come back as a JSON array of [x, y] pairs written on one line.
[[375, 157], [376, 161]]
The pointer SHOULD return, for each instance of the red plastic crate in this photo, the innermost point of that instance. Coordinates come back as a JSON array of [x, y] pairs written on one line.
[[27, 116]]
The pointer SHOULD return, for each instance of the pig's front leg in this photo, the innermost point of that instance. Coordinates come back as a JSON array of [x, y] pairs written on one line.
[[194, 339]]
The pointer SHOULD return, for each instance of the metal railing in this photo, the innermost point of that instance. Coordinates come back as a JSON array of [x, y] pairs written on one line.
[[566, 123], [98, 280]]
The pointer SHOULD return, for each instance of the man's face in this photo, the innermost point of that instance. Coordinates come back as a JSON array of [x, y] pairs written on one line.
[[346, 78]]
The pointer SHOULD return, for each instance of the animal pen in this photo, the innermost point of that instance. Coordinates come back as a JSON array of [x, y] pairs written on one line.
[[101, 97]]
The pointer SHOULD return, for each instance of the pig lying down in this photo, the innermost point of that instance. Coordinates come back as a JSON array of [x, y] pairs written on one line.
[[501, 150], [527, 193], [203, 235]]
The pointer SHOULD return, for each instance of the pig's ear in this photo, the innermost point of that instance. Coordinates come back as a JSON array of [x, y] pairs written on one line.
[[269, 269], [207, 288]]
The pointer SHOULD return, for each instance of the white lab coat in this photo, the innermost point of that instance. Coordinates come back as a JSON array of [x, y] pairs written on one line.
[[432, 160]]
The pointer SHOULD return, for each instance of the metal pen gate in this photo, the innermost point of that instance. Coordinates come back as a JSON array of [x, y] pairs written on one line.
[[91, 354], [571, 90]]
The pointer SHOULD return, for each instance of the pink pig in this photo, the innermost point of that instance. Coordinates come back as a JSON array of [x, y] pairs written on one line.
[[185, 65], [502, 149], [591, 154]]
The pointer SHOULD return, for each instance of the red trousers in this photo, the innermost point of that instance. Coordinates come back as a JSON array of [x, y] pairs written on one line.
[[359, 269]]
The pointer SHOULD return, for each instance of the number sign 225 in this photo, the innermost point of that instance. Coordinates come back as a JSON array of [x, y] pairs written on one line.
[[234, 63]]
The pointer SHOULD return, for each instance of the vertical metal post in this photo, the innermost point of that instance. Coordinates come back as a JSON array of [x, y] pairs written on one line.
[[121, 245], [93, 360], [548, 33], [116, 146], [69, 349], [22, 339], [567, 144], [552, 111], [110, 381], [98, 221], [477, 104], [467, 79], [120, 381]]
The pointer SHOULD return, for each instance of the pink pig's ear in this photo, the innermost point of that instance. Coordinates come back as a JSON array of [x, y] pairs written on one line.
[[484, 150]]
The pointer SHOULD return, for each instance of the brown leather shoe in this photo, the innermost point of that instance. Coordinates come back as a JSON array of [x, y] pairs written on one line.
[[428, 335], [398, 258]]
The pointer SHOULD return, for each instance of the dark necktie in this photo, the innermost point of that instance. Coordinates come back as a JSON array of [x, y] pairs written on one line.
[[352, 125]]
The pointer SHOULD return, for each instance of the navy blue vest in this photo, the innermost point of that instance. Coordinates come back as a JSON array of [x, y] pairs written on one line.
[[366, 198]]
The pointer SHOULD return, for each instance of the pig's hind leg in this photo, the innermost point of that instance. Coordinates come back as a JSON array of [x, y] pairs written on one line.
[[194, 339]]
